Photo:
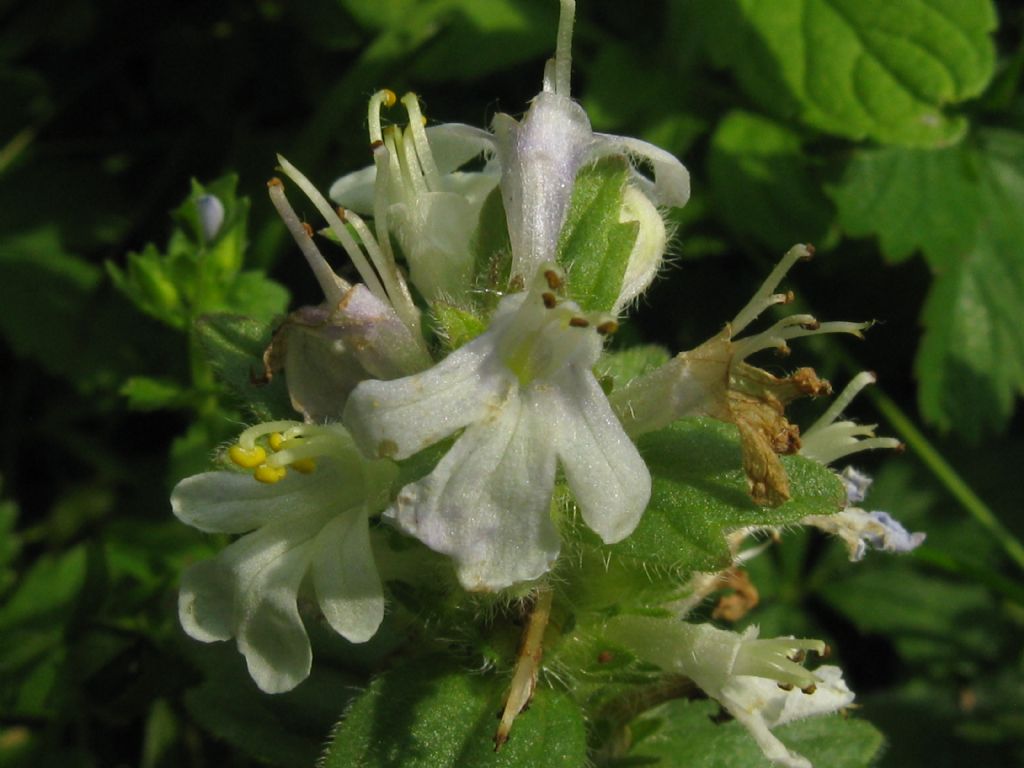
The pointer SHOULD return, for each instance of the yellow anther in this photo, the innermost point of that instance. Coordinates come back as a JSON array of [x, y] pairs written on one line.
[[268, 474], [423, 119], [387, 97], [247, 458], [275, 441], [303, 466]]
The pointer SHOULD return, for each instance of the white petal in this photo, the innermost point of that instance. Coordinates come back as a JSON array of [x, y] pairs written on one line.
[[488, 502], [455, 144], [436, 238], [233, 502], [206, 601], [770, 744], [759, 704], [355, 190], [606, 473], [671, 184], [271, 635], [398, 418], [345, 577], [472, 187]]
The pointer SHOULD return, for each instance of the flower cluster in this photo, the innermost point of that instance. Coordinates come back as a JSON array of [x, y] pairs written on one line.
[[510, 404]]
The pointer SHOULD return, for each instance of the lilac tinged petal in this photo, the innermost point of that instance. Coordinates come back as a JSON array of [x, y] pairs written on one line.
[[540, 158], [671, 185], [376, 335]]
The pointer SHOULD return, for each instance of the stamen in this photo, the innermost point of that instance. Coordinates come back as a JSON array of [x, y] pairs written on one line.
[[247, 458], [247, 439], [268, 474], [332, 285], [554, 279], [762, 298], [304, 466], [563, 48], [275, 441], [861, 380], [419, 137], [770, 658], [385, 98], [793, 327], [338, 227], [579, 322], [549, 299], [413, 170], [607, 328], [809, 689]]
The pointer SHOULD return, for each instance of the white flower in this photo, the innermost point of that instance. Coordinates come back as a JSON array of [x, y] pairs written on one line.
[[525, 393], [716, 380], [414, 188], [312, 521], [541, 156], [759, 682]]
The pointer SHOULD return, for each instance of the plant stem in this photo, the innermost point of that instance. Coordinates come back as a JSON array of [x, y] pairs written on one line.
[[524, 678], [948, 476]]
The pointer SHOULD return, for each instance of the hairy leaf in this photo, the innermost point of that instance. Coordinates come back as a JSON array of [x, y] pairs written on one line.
[[434, 715]]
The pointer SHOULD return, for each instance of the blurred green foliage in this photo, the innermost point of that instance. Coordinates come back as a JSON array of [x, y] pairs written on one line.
[[888, 133]]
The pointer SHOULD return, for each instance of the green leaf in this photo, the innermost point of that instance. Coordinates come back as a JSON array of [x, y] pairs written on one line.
[[683, 734], [286, 729], [155, 284], [32, 628], [700, 494], [594, 246], [926, 617], [255, 295], [234, 347], [456, 326], [10, 543], [961, 208], [912, 200], [859, 68], [46, 295], [622, 366], [478, 37], [434, 714], [145, 393], [763, 184]]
